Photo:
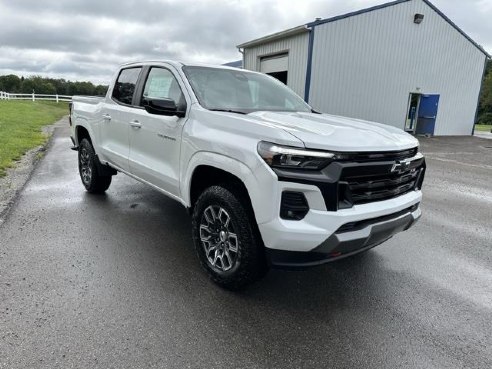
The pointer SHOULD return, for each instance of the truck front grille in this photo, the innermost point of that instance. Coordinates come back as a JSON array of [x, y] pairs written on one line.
[[361, 178], [378, 181], [364, 157], [368, 188]]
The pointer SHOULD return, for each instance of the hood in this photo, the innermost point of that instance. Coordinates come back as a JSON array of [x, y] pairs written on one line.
[[331, 132]]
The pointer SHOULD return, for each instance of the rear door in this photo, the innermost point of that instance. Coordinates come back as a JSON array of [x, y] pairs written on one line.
[[116, 116], [155, 140]]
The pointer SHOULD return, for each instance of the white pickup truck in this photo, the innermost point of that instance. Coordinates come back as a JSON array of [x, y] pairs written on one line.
[[268, 180]]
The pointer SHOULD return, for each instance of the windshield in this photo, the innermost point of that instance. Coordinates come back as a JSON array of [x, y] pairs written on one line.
[[241, 91]]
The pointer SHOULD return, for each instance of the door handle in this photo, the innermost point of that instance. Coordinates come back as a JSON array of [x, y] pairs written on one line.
[[135, 124], [106, 117]]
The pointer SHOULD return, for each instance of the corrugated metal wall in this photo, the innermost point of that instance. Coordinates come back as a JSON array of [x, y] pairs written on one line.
[[365, 66], [296, 46]]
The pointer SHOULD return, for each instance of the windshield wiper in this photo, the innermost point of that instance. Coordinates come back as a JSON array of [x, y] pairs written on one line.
[[229, 111]]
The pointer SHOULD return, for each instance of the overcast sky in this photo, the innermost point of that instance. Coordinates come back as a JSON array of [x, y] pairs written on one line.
[[87, 39]]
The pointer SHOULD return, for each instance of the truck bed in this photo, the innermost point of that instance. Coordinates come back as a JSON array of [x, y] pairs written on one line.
[[88, 99]]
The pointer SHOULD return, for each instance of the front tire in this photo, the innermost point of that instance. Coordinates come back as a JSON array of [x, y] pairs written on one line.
[[88, 169], [226, 239]]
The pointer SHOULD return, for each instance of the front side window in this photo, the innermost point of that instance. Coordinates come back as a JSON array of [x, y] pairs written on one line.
[[161, 84], [125, 85], [246, 92]]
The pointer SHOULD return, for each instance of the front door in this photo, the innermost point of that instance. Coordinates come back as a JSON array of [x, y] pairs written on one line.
[[155, 140], [427, 114]]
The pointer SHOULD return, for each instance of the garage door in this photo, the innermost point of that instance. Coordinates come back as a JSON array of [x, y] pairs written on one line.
[[273, 64]]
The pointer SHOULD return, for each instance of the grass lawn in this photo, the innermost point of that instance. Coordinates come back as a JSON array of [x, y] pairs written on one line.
[[483, 127], [20, 127]]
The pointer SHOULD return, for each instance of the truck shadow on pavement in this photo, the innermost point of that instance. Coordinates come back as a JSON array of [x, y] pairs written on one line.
[[160, 230]]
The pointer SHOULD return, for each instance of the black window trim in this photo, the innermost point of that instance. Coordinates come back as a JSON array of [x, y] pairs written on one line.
[[137, 84]]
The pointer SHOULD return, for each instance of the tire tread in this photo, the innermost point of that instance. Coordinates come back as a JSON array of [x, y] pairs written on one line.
[[253, 264], [99, 184]]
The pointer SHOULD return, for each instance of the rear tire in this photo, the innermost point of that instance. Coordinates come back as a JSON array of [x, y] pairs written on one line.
[[89, 171], [226, 239]]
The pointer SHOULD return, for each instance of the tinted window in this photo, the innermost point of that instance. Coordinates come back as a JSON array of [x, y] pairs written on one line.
[[125, 85], [161, 83]]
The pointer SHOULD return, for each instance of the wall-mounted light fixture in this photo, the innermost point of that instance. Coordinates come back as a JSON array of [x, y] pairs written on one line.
[[418, 18]]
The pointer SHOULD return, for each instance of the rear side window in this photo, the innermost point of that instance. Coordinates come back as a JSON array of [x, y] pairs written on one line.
[[125, 85]]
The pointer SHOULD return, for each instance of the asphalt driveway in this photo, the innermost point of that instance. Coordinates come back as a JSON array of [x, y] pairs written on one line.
[[113, 282]]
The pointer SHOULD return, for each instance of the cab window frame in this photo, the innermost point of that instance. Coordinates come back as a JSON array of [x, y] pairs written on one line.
[[141, 89], [135, 90]]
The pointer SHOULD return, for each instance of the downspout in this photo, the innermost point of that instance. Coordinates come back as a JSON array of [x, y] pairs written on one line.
[[242, 52], [307, 85]]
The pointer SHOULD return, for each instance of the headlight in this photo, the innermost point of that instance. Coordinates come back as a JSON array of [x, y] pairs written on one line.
[[292, 157]]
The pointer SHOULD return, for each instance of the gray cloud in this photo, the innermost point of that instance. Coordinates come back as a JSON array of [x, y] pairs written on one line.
[[86, 39]]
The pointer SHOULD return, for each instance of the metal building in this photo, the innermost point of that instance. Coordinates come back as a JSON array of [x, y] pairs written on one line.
[[402, 63]]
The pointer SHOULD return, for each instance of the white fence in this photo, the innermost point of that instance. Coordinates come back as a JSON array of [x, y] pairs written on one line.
[[33, 97]]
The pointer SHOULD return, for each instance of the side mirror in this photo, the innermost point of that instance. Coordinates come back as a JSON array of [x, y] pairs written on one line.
[[162, 106]]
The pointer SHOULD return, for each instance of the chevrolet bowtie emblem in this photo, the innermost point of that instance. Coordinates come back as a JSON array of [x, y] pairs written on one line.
[[400, 167]]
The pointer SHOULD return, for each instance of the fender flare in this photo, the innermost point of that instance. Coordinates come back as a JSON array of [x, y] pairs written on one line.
[[104, 170], [84, 124], [225, 163]]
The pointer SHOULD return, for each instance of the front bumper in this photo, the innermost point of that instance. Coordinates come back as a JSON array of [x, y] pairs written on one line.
[[368, 193], [319, 225], [351, 238]]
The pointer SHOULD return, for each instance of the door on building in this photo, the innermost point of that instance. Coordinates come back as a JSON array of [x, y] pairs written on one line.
[[276, 66], [413, 108], [427, 113]]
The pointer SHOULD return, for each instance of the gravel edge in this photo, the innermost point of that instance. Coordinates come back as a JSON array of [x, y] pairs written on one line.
[[17, 176]]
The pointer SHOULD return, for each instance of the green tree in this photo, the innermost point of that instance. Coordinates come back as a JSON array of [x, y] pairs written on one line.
[[486, 95], [10, 83], [101, 90], [27, 86], [485, 101], [50, 86]]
